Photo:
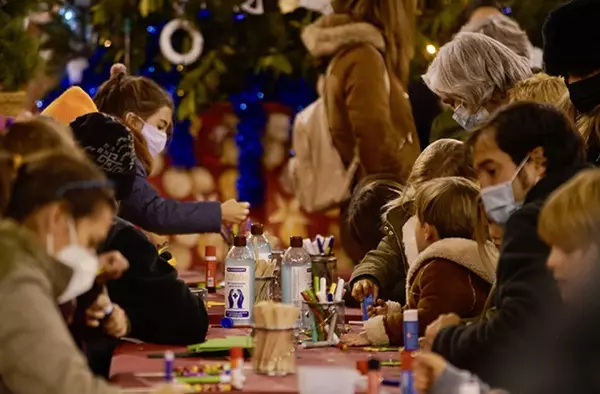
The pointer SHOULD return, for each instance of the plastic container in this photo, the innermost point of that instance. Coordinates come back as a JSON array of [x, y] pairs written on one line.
[[324, 267], [239, 283], [411, 329], [258, 242], [296, 268], [318, 319]]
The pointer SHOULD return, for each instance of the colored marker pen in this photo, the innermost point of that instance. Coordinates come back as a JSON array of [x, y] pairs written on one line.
[[367, 302]]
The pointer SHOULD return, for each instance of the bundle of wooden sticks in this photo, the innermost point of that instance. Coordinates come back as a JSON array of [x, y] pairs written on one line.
[[274, 352], [264, 281]]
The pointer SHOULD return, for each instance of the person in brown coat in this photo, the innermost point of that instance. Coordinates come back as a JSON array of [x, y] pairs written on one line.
[[366, 47], [383, 270], [456, 266]]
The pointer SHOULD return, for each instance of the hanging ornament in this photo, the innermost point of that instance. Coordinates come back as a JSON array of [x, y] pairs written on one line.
[[75, 69], [322, 6], [254, 7], [166, 46]]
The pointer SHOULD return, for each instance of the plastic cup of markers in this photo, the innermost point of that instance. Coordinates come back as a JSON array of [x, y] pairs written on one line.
[[323, 379], [318, 319]]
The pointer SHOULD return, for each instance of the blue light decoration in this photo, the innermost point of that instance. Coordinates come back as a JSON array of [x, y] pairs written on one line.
[[247, 105]]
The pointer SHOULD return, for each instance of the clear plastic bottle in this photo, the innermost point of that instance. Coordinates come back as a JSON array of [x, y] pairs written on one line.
[[239, 283], [296, 272], [258, 242]]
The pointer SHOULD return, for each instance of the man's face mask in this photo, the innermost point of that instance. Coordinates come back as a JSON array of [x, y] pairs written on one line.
[[469, 121]]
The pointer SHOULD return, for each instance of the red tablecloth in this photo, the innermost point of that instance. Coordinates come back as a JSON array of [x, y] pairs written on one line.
[[131, 359]]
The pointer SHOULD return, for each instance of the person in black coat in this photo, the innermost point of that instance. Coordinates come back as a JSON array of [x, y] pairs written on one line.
[[160, 308], [572, 51], [522, 154]]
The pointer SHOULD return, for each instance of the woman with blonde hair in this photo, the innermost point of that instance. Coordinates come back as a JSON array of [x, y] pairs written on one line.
[[540, 88], [382, 272], [473, 74], [455, 268]]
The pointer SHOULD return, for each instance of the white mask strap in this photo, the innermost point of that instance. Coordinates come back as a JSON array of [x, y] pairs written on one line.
[[520, 167]]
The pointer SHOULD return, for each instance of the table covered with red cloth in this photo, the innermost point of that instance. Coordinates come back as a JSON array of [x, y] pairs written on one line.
[[131, 359]]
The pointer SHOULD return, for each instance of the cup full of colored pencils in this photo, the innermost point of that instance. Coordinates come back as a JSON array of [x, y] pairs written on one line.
[[323, 313]]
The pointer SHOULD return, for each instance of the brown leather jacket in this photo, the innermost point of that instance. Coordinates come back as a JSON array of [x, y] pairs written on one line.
[[450, 276], [363, 112]]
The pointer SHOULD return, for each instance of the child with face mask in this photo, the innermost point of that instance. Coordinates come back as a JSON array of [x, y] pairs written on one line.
[[56, 209], [147, 110], [454, 270]]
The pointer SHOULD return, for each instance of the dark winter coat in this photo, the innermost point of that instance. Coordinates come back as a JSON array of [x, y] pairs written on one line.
[[507, 350], [147, 209]]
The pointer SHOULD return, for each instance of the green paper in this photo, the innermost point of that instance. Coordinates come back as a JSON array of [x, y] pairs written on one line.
[[222, 344]]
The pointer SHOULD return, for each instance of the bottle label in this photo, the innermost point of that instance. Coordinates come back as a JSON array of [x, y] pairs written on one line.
[[237, 292], [300, 280]]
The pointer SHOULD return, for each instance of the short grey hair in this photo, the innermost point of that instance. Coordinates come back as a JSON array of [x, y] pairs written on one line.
[[475, 69], [504, 29]]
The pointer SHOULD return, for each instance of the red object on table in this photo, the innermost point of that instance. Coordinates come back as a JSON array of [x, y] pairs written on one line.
[[131, 359]]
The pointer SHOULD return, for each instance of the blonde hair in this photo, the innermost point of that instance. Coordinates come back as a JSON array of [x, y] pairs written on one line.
[[588, 124], [570, 219], [396, 19], [540, 88], [454, 207], [502, 29], [443, 158], [475, 69]]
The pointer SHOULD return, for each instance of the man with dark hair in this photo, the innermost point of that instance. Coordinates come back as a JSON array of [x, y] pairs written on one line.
[[522, 154]]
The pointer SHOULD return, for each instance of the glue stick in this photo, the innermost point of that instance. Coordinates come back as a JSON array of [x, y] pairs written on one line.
[[411, 329], [237, 367], [211, 268], [169, 358], [367, 302]]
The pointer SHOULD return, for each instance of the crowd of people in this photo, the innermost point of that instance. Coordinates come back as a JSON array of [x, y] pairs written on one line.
[[490, 232]]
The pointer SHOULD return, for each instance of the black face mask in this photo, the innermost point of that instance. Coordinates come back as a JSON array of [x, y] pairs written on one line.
[[585, 94]]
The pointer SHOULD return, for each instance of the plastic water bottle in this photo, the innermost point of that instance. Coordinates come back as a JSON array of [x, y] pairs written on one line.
[[296, 272], [239, 283], [259, 243]]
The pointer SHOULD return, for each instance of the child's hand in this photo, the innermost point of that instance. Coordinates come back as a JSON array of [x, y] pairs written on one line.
[[363, 288], [427, 369], [434, 328], [97, 311], [112, 265], [356, 339], [380, 308], [116, 324], [234, 212]]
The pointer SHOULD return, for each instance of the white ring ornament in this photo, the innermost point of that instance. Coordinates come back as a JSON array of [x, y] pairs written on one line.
[[166, 47]]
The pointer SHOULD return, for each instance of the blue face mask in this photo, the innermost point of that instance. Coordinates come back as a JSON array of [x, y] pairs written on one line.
[[499, 200], [469, 121]]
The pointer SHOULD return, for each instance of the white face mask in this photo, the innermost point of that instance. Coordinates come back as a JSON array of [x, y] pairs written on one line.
[[83, 263], [469, 121], [499, 200], [155, 139]]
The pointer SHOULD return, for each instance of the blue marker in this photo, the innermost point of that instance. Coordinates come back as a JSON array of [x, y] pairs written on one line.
[[169, 358], [367, 302]]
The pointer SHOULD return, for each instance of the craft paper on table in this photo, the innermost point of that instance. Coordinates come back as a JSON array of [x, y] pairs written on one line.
[[222, 344]]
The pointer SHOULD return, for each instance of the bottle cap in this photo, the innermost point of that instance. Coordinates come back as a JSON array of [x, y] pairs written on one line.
[[239, 240], [296, 242], [226, 322], [362, 366], [211, 251], [411, 315], [374, 364], [236, 352], [257, 229]]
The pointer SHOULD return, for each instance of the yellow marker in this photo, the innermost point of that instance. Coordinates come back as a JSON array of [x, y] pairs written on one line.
[[333, 288]]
